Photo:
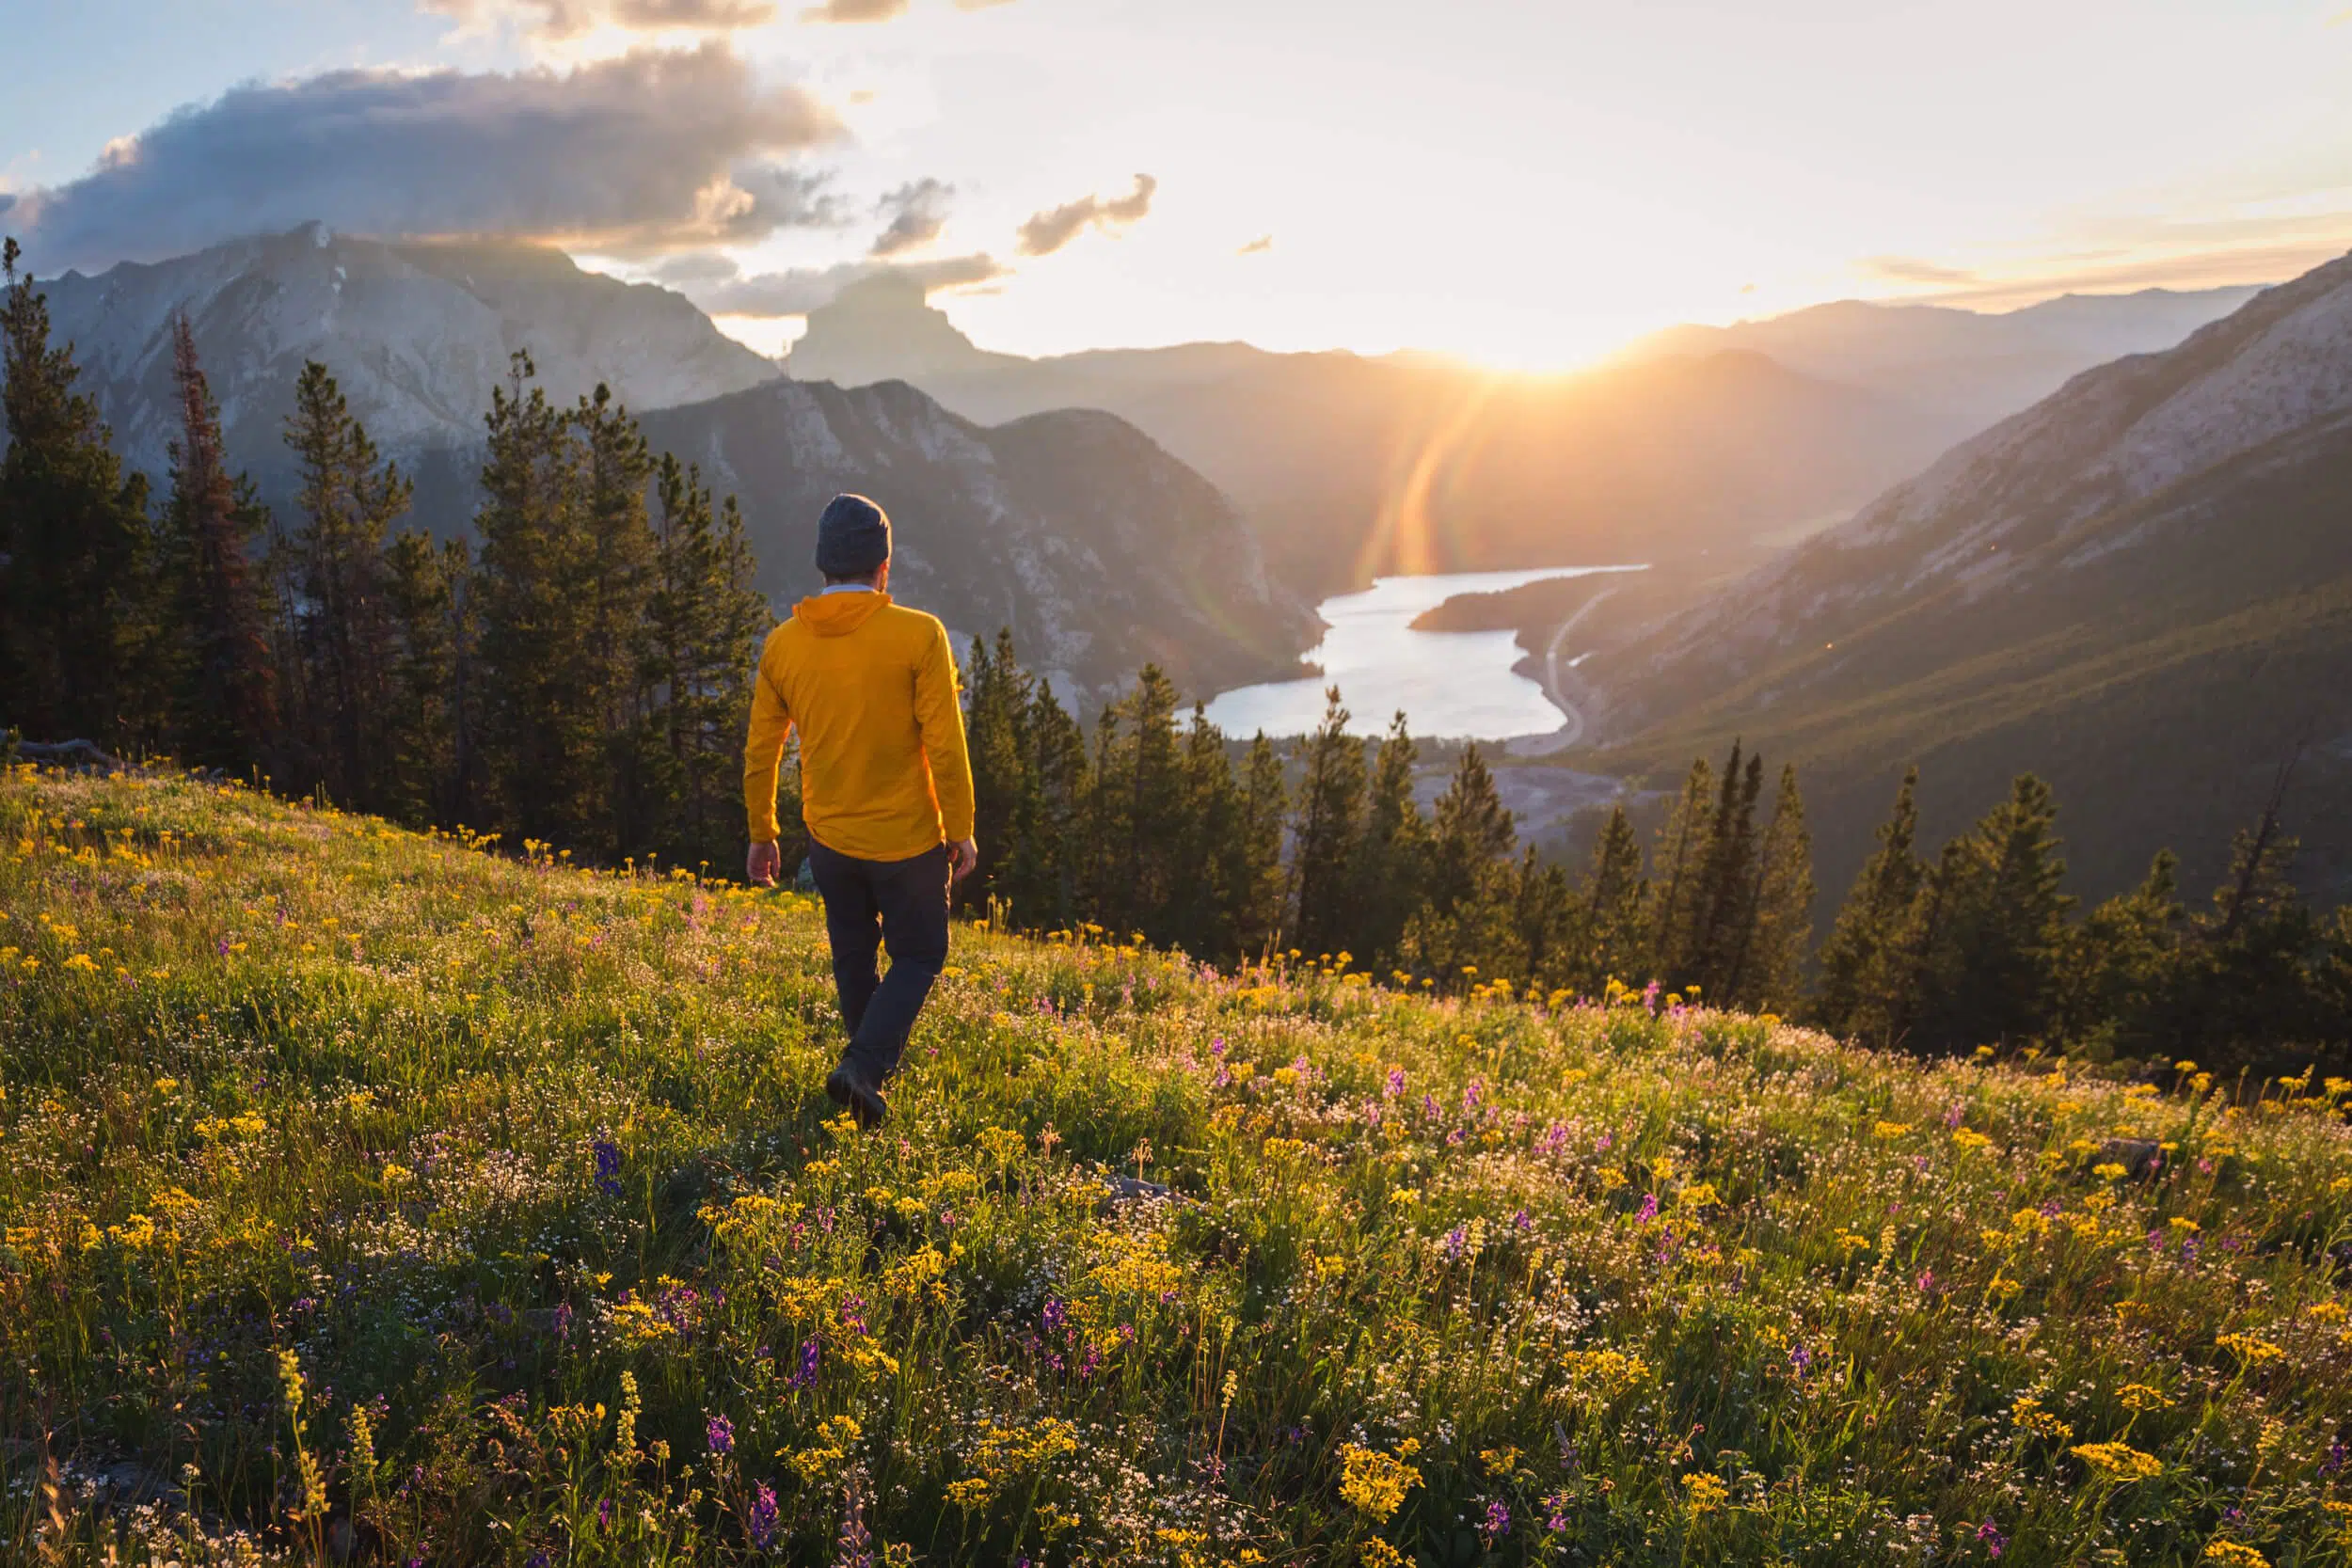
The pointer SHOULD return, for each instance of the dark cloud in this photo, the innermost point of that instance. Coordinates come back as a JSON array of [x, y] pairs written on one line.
[[806, 289], [651, 152], [557, 20], [695, 267], [917, 213], [1911, 269], [855, 10], [703, 15], [1048, 231]]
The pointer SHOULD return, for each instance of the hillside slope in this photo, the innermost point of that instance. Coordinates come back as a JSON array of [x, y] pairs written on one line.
[[1100, 551], [416, 1204], [2140, 587]]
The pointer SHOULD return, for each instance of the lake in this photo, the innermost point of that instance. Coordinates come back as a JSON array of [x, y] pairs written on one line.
[[1450, 684]]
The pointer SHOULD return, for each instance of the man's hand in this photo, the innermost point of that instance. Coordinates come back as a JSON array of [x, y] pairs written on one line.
[[763, 863], [962, 856]]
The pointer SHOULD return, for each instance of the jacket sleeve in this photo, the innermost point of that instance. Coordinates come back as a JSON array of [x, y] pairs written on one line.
[[941, 716], [763, 753]]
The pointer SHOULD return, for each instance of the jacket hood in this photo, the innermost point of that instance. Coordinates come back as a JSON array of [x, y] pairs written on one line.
[[838, 614]]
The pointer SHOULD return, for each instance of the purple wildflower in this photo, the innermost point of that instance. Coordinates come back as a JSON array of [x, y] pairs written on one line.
[[1990, 1533], [1556, 1507], [2335, 1460], [761, 1524], [1050, 1317], [721, 1433], [604, 1514], [1497, 1524], [1471, 1091], [1649, 1208], [608, 1167], [1396, 1084], [1456, 1240], [1927, 1280], [854, 1546]]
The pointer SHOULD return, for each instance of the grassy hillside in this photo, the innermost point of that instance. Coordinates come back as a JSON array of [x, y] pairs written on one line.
[[355, 1173]]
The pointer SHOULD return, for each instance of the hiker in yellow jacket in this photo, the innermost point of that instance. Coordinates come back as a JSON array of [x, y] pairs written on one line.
[[885, 787]]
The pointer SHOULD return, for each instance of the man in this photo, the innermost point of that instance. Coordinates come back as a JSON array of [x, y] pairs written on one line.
[[885, 787]]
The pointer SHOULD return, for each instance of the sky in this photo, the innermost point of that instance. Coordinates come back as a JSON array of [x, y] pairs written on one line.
[[1527, 184]]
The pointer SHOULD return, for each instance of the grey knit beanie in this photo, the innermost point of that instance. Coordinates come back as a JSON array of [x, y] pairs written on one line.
[[852, 537]]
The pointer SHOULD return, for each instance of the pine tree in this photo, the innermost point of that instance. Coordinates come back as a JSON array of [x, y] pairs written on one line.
[[1198, 906], [1992, 976], [1253, 881], [77, 616], [1331, 824], [1391, 863], [1045, 883], [225, 712], [704, 624], [339, 681], [1617, 897], [2119, 976], [1104, 886], [618, 579], [1156, 830], [1685, 841], [426, 733], [545, 769], [1549, 923], [1873, 914], [1464, 928], [1767, 971], [1724, 906], [997, 694]]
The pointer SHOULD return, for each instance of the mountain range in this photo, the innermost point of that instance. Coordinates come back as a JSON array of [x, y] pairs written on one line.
[[1698, 440], [1099, 549], [2140, 587]]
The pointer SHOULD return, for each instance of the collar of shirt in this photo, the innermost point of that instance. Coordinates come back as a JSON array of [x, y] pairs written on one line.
[[846, 588]]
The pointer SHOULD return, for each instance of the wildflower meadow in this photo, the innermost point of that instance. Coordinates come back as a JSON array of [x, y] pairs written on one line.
[[369, 1197]]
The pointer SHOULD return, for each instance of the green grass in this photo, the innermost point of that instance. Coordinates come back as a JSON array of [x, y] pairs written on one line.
[[308, 1116]]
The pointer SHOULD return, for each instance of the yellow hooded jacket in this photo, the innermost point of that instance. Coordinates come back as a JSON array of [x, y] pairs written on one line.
[[872, 689]]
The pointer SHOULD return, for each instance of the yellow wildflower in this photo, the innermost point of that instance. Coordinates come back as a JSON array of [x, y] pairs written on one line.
[[2118, 1461], [1375, 1483]]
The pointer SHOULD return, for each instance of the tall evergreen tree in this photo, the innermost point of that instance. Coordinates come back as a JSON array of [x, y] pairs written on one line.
[[1466, 918], [225, 712], [1724, 906], [1767, 971], [1156, 831], [545, 764], [427, 730], [704, 627], [1872, 915], [77, 619], [339, 681], [1199, 906], [1685, 841], [1046, 882], [997, 695], [1329, 827], [1992, 970], [1550, 926], [1392, 862], [1253, 881], [1616, 897]]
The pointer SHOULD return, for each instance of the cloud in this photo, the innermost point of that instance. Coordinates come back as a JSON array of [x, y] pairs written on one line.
[[1258, 246], [1911, 269], [1048, 231], [804, 289], [646, 152], [552, 21], [855, 10], [916, 212]]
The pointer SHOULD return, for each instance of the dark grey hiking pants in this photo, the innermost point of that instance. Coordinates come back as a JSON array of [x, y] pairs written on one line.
[[872, 905]]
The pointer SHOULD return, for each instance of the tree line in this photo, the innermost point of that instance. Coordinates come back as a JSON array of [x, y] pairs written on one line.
[[574, 669], [1165, 830]]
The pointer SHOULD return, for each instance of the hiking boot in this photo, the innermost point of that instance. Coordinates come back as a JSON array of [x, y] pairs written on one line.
[[846, 1084]]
